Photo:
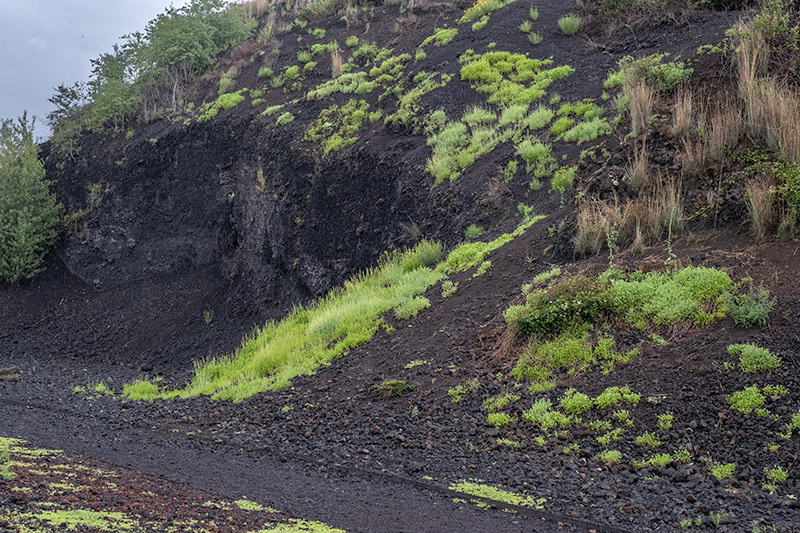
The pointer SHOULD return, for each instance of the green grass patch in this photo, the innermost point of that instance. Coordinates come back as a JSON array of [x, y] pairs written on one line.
[[337, 126], [481, 8], [747, 399], [320, 333], [753, 358], [441, 37]]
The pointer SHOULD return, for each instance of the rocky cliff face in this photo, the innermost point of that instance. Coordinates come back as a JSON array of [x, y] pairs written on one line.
[[249, 202]]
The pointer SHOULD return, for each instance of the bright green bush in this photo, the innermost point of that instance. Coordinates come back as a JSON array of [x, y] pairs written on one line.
[[337, 126], [570, 24], [411, 307], [752, 308], [284, 119], [753, 358], [29, 213], [747, 399]]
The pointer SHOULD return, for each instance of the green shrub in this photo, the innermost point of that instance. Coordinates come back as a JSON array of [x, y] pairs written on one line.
[[284, 119], [337, 126], [540, 414], [411, 307], [722, 470], [574, 402], [750, 309], [449, 288], [473, 231], [229, 100], [659, 76], [304, 56], [570, 24], [535, 38], [587, 131], [754, 358], [476, 115], [29, 213], [482, 8], [394, 387], [499, 419], [441, 37], [292, 72], [610, 456], [615, 395], [563, 179], [565, 305], [351, 41], [747, 399], [481, 23]]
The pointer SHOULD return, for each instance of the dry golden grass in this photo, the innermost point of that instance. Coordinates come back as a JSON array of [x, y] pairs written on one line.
[[636, 172], [760, 206], [781, 110], [638, 223], [640, 105], [682, 114], [724, 128], [693, 157], [336, 63]]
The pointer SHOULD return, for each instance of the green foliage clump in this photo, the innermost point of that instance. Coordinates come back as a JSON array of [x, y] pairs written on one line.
[[224, 101], [610, 456], [574, 402], [351, 41], [564, 306], [538, 157], [752, 308], [668, 298], [29, 213], [473, 231], [476, 115], [226, 81], [394, 387], [481, 8], [284, 119], [337, 126], [570, 24], [563, 179], [449, 288], [747, 399], [753, 358], [411, 307], [722, 470], [441, 37], [499, 419], [540, 414], [481, 23], [496, 403], [587, 131], [659, 76], [615, 395], [511, 78]]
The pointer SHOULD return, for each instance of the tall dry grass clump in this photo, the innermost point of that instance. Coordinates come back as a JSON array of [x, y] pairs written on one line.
[[636, 172], [336, 63], [640, 104], [725, 128], [760, 206], [693, 157], [682, 114], [636, 223]]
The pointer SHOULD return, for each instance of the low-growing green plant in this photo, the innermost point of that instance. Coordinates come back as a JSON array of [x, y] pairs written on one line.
[[534, 13], [5, 471], [526, 26], [563, 180], [722, 470], [472, 231], [540, 414], [441, 37], [284, 119], [610, 436], [394, 387], [610, 456], [615, 395], [411, 307], [351, 41], [570, 24], [499, 419], [508, 442], [574, 402], [481, 23], [415, 363], [535, 38], [753, 358], [449, 288], [648, 439], [665, 421], [337, 126], [482, 269], [271, 110], [775, 390], [746, 400], [547, 275], [496, 403], [750, 309]]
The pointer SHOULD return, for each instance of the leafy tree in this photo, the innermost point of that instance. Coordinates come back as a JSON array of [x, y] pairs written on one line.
[[113, 95], [29, 213], [65, 119]]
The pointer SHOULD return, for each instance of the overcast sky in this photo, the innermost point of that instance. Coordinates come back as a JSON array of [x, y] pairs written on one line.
[[44, 43]]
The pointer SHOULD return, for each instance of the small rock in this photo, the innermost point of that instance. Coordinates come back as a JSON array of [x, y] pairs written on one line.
[[12, 373], [691, 498]]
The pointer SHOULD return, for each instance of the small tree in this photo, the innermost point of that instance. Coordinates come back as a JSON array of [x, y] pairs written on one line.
[[29, 213]]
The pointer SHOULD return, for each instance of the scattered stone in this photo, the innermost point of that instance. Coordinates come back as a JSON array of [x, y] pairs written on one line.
[[11, 373]]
